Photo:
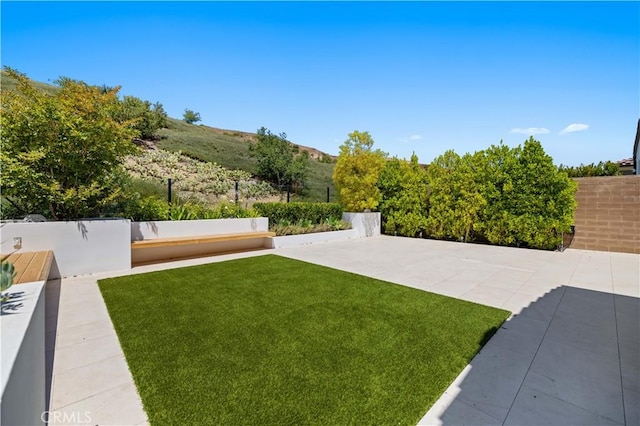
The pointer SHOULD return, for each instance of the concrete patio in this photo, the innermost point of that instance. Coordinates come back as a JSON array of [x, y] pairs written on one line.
[[569, 355]]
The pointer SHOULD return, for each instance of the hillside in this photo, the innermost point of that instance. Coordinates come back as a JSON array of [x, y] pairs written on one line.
[[228, 148], [8, 83]]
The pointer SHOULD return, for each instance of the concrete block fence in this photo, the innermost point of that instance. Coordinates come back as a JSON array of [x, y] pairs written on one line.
[[608, 214]]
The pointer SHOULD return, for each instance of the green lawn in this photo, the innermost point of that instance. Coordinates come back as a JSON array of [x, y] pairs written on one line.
[[269, 340]]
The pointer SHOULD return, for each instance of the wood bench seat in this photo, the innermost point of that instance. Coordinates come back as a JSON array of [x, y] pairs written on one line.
[[30, 266], [199, 239], [157, 250]]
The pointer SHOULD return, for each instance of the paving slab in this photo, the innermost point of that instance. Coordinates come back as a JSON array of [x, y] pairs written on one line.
[[494, 380], [587, 380], [535, 408]]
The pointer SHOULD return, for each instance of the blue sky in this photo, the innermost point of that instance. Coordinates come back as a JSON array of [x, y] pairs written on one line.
[[420, 77]]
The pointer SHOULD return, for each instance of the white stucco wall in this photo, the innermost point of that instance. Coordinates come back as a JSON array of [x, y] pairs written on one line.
[[190, 228], [365, 224], [80, 247], [317, 237], [22, 375]]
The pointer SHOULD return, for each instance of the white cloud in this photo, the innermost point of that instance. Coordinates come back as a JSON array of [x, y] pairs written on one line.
[[574, 127], [415, 137], [530, 130]]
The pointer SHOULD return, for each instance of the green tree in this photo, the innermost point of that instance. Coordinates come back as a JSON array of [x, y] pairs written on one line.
[[299, 170], [455, 200], [356, 173], [529, 200], [606, 168], [278, 160], [497, 169], [544, 201], [60, 152], [403, 186], [191, 116], [148, 118]]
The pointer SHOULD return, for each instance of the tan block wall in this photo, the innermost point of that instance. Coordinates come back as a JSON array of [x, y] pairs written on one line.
[[608, 214]]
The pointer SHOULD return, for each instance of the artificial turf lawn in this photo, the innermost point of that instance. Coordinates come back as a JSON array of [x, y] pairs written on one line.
[[271, 340]]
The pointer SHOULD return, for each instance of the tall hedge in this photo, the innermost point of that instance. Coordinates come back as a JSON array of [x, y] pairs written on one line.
[[529, 200], [295, 212], [501, 195], [456, 199], [403, 185]]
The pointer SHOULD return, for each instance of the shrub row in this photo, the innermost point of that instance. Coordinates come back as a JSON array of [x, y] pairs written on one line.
[[153, 208], [501, 195], [316, 213], [285, 228], [324, 216]]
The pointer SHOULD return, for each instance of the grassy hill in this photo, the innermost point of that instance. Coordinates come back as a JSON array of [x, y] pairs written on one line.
[[228, 148], [8, 83]]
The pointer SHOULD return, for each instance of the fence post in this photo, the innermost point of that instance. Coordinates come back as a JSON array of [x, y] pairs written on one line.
[[288, 192], [327, 194], [236, 193], [169, 197]]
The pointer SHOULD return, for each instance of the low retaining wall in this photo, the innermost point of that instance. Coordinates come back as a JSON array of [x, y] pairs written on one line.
[[79, 247], [93, 246], [192, 228], [608, 214], [22, 401], [317, 237]]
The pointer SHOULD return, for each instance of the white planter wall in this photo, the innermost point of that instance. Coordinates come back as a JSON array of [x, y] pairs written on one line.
[[22, 400], [192, 228], [365, 224], [80, 247], [318, 237]]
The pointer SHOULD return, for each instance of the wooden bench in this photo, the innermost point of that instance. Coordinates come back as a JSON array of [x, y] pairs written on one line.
[[30, 266], [159, 249]]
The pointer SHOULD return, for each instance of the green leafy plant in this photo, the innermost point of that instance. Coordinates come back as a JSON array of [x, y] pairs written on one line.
[[190, 116], [357, 171], [336, 224], [60, 151], [278, 160], [403, 185], [7, 274], [606, 168], [294, 212], [148, 118], [456, 199], [501, 195]]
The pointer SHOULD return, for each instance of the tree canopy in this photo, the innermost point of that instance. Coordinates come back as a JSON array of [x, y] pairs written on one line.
[[147, 117], [501, 195], [606, 168], [191, 116], [356, 172], [403, 186], [278, 160], [61, 152]]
